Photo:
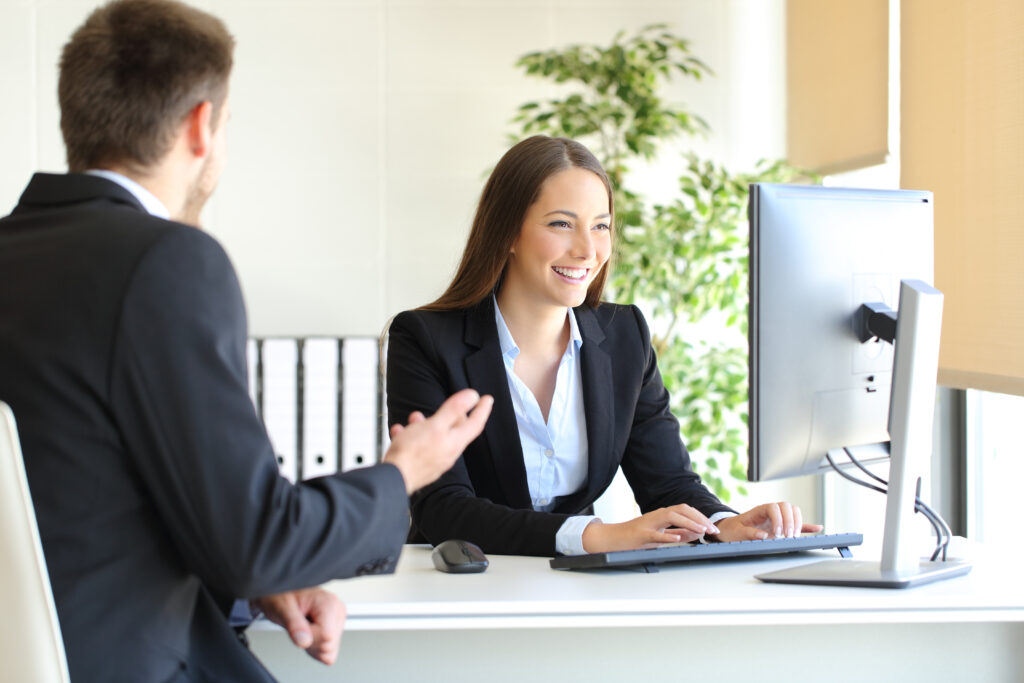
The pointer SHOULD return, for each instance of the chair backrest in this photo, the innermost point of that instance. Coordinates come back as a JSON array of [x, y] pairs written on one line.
[[31, 647]]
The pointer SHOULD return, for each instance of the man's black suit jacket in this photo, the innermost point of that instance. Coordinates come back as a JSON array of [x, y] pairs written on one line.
[[485, 497], [122, 355]]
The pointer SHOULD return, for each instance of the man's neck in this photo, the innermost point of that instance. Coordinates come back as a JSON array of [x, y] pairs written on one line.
[[149, 201], [152, 180]]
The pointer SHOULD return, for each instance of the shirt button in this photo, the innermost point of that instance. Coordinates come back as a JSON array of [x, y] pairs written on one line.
[[549, 452]]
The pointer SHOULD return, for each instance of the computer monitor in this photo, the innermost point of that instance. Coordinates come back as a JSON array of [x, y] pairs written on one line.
[[821, 381]]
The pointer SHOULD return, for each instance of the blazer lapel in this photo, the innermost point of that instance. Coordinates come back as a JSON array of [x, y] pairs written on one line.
[[485, 370], [596, 367]]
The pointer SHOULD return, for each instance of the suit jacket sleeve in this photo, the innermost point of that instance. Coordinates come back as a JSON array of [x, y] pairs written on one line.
[[178, 388], [422, 370], [656, 463]]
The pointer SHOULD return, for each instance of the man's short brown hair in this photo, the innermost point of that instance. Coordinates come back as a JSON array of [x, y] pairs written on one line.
[[131, 73]]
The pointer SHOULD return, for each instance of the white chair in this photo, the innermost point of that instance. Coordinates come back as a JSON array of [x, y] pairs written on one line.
[[31, 648]]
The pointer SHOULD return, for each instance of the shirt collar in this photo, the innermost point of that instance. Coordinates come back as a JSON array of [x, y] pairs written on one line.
[[149, 201], [509, 347], [574, 330]]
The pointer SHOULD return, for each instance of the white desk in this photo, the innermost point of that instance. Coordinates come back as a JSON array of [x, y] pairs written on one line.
[[707, 621]]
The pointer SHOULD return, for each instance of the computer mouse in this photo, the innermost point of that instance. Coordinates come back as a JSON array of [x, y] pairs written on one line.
[[459, 557]]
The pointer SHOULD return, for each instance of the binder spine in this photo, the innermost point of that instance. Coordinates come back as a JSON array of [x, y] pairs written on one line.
[[322, 401], [280, 401], [300, 389], [319, 410], [360, 403]]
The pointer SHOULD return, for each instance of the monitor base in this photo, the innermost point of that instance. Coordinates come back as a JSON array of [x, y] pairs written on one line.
[[865, 574]]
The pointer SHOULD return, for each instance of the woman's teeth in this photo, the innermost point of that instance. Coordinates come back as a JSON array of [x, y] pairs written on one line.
[[571, 273]]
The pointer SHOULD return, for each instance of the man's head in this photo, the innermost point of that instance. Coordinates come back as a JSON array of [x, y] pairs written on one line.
[[133, 74]]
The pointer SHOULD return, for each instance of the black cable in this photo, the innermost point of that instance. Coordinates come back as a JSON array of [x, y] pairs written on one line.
[[949, 536], [930, 516], [864, 469], [943, 534], [852, 478], [940, 538], [942, 531], [947, 533]]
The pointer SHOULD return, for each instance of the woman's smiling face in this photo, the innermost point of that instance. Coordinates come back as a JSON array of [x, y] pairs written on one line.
[[564, 242]]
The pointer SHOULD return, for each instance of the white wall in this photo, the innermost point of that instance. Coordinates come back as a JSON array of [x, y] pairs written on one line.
[[361, 129]]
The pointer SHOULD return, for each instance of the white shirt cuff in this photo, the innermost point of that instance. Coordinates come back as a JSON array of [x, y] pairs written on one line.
[[714, 520], [720, 515], [569, 539]]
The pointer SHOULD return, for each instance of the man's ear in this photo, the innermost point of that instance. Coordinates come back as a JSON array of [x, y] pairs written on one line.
[[197, 128]]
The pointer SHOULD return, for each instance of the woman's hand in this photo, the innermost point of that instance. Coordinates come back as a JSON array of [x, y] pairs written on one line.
[[777, 520], [679, 523]]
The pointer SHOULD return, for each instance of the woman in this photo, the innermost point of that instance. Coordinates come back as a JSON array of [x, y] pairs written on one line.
[[575, 382]]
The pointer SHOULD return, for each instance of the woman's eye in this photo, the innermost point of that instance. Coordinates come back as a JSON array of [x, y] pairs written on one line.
[[559, 224], [602, 226]]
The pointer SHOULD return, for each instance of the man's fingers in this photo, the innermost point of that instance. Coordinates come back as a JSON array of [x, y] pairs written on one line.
[[475, 421], [329, 613], [327, 616], [284, 609], [299, 629], [325, 645], [453, 411]]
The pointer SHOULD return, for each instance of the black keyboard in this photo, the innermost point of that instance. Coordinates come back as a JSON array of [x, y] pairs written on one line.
[[685, 552]]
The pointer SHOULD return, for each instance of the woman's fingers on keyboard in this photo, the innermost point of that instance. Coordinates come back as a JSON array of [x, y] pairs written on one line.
[[741, 528]]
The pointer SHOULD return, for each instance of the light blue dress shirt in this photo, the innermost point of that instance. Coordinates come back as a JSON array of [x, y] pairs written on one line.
[[554, 452], [149, 201]]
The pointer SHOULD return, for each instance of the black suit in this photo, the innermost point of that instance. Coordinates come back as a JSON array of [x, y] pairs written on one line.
[[122, 355], [485, 497]]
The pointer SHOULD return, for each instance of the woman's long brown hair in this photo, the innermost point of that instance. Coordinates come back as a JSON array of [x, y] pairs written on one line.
[[512, 188]]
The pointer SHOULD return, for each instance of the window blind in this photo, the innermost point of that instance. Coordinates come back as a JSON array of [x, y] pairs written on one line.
[[962, 137], [837, 73]]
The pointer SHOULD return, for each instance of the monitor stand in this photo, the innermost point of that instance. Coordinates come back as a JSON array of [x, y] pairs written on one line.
[[911, 407]]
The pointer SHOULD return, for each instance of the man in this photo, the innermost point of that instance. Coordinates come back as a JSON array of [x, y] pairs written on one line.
[[122, 355]]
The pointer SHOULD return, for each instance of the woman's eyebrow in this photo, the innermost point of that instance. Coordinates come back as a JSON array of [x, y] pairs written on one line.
[[573, 215]]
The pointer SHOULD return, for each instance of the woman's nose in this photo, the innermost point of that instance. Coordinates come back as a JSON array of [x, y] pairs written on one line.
[[583, 245]]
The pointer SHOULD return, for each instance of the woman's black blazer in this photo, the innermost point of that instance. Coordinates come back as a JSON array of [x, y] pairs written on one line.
[[485, 498]]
